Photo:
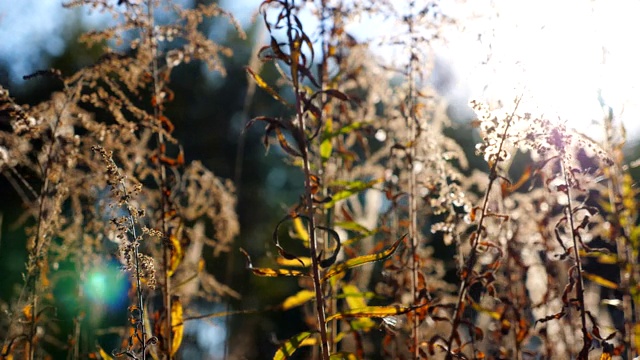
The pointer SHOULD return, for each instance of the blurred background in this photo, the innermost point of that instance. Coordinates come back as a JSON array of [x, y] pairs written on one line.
[[209, 112]]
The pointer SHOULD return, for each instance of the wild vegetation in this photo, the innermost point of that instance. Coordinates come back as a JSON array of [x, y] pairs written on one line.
[[400, 248]]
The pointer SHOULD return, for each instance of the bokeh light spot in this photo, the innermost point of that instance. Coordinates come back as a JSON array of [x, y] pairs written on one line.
[[106, 285]]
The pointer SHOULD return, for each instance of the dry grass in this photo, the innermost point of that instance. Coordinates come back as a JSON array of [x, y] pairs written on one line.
[[545, 262]]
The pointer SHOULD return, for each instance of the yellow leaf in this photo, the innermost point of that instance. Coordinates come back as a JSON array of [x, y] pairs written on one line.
[[311, 341], [268, 272], [284, 144], [290, 346], [493, 314], [298, 299], [353, 297], [343, 356], [361, 260], [601, 257], [177, 254], [600, 280], [177, 324], [325, 149], [355, 300], [44, 279], [103, 354], [6, 349], [27, 311], [263, 85], [300, 229], [306, 261], [371, 312], [636, 335], [325, 146]]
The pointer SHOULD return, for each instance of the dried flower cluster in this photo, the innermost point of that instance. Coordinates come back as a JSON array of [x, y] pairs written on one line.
[[103, 179], [400, 248]]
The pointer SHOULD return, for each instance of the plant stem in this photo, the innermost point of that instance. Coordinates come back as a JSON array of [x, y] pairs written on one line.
[[323, 75], [36, 252], [166, 243], [583, 355], [313, 241], [413, 203], [140, 313], [467, 270], [308, 196], [623, 243]]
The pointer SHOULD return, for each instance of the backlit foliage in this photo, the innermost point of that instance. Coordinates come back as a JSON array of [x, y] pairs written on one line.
[[103, 178], [401, 249]]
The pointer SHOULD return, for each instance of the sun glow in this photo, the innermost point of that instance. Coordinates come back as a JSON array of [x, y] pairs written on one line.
[[566, 57]]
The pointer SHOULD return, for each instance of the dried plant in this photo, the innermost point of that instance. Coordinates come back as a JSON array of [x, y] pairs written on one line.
[[400, 247], [105, 130]]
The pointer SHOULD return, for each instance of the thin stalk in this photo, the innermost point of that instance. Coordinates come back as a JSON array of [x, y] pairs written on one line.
[[576, 252], [324, 80], [35, 261], [140, 313], [308, 203], [313, 241], [413, 203], [166, 251], [623, 243], [77, 322], [467, 270]]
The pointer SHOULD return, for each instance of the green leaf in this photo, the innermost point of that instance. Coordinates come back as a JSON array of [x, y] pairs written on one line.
[[353, 226], [290, 346], [353, 296], [347, 129], [325, 149], [325, 146], [356, 300], [348, 189], [361, 260]]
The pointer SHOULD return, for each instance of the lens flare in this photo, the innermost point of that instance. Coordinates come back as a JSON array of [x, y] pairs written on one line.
[[106, 285]]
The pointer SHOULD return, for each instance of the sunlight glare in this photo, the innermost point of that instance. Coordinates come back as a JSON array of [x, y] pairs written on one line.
[[562, 55]]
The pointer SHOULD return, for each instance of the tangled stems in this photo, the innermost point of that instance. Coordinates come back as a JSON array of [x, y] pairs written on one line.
[[140, 318], [117, 180], [308, 200], [467, 270], [36, 256], [313, 245], [313, 241]]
